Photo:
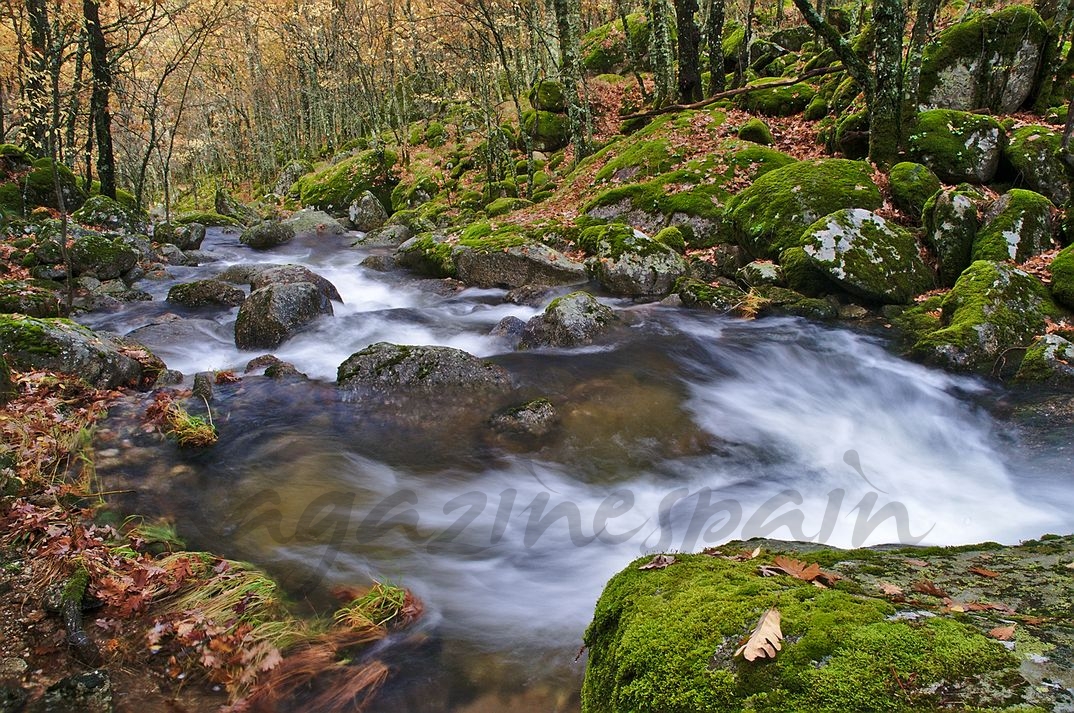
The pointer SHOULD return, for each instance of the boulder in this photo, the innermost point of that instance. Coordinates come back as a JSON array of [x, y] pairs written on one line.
[[314, 222], [427, 253], [950, 219], [367, 213], [103, 212], [548, 130], [336, 187], [569, 321], [628, 262], [957, 146], [102, 256], [1063, 277], [988, 61], [776, 101], [1017, 226], [289, 174], [437, 371], [266, 235], [867, 256], [89, 692], [206, 293], [184, 237], [1050, 359], [994, 307], [515, 266], [720, 296], [388, 236], [1035, 155], [61, 345], [227, 206], [547, 95], [273, 314], [244, 273], [761, 272], [294, 274], [769, 216], [35, 298], [912, 184], [534, 419], [756, 131]]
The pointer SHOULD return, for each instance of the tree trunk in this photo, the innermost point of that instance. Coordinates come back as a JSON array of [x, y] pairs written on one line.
[[660, 52], [1068, 130], [714, 30], [102, 87], [885, 126], [854, 64], [744, 49], [689, 61], [36, 95], [570, 73], [924, 15]]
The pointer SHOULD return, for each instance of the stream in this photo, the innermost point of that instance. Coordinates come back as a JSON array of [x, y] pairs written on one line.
[[686, 430]]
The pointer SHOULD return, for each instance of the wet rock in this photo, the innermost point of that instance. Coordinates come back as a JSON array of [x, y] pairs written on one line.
[[515, 266], [83, 693], [628, 262], [267, 235], [200, 257], [572, 320], [284, 371], [867, 256], [721, 297], [294, 274], [203, 385], [101, 256], [173, 329], [761, 272], [1017, 226], [535, 419], [384, 367], [387, 236], [171, 255], [184, 237], [245, 273], [532, 295], [367, 213], [205, 293], [379, 263], [1050, 360], [272, 314], [957, 146], [60, 345], [510, 329], [314, 222], [950, 218]]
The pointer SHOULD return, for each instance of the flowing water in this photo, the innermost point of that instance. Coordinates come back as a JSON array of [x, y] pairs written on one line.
[[685, 430]]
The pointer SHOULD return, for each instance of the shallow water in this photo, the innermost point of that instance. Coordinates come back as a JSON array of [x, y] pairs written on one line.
[[685, 430]]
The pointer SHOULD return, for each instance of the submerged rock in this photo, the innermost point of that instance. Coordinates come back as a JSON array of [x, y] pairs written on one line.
[[535, 419], [89, 692], [272, 314], [384, 367], [572, 320]]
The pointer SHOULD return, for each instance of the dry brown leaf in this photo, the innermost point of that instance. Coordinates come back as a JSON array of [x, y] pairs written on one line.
[[767, 570], [765, 640], [917, 563], [742, 556], [1003, 633], [925, 586], [659, 562], [1070, 566], [984, 572], [797, 568], [891, 590]]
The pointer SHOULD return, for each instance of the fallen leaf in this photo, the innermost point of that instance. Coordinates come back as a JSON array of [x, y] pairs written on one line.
[[765, 640], [1070, 566], [984, 572], [891, 590], [917, 563], [925, 586], [797, 568], [767, 570], [1003, 633], [659, 562]]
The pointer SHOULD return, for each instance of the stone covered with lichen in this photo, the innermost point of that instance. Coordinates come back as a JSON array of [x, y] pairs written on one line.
[[508, 256], [867, 256], [628, 262], [573, 320], [103, 212], [104, 256], [35, 298], [1017, 226], [337, 186], [1035, 155], [950, 219], [1062, 268], [994, 307], [385, 367], [912, 185], [664, 640], [1050, 359], [770, 215], [987, 61], [957, 146]]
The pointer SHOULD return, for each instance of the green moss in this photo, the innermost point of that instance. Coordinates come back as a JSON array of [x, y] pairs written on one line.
[[428, 253], [414, 193], [1035, 155], [549, 131], [603, 49], [816, 109], [206, 218], [640, 159], [912, 184], [547, 95], [502, 206], [852, 135], [695, 293], [770, 215], [800, 273], [950, 218], [30, 335], [337, 186], [1020, 227], [673, 238], [33, 298], [1046, 359], [1063, 277], [777, 101], [757, 131], [484, 238], [957, 145]]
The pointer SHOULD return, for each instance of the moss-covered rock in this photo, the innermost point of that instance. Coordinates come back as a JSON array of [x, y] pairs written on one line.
[[573, 320], [672, 237], [1017, 226], [604, 49], [760, 273], [801, 275], [102, 256], [289, 174], [1063, 277], [413, 193], [30, 297], [987, 61], [1035, 155], [206, 293], [852, 135], [950, 219], [207, 218], [503, 206], [547, 95], [336, 187], [756, 131], [272, 314], [227, 205], [1050, 359], [664, 640], [993, 307], [867, 256], [957, 146], [427, 253], [912, 184], [770, 215], [777, 101], [393, 368], [184, 237], [628, 262], [719, 296], [267, 235], [549, 130], [508, 257], [102, 211], [313, 222], [772, 300]]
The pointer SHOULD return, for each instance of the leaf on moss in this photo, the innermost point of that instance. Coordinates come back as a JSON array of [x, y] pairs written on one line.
[[982, 571], [891, 590], [925, 586], [1003, 633], [659, 562], [765, 640]]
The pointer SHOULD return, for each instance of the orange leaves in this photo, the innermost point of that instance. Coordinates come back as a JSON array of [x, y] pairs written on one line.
[[799, 570], [984, 572], [1002, 633]]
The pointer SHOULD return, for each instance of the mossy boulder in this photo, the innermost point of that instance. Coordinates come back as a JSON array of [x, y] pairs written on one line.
[[267, 235], [334, 188], [547, 95], [1050, 359], [207, 218], [664, 640], [206, 293], [184, 237], [313, 222], [1017, 226], [411, 194], [503, 206], [801, 275], [912, 184], [288, 175], [293, 274], [1034, 154], [33, 298], [994, 307], [867, 256], [227, 205], [509, 258], [770, 215], [957, 146], [428, 253], [760, 273], [950, 219], [103, 256], [60, 345], [988, 61], [549, 130], [604, 49], [102, 211], [628, 262], [273, 314], [366, 213], [756, 131], [723, 297], [37, 187], [1063, 277], [777, 100], [851, 136], [573, 320], [434, 371]]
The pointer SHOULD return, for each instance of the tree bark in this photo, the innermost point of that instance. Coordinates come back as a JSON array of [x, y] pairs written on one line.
[[689, 60], [924, 15], [1051, 52], [854, 64], [36, 96], [714, 30], [570, 72], [660, 52], [744, 49], [885, 125], [102, 87]]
